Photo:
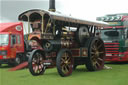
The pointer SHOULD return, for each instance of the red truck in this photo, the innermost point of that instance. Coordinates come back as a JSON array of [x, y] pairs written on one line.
[[12, 46]]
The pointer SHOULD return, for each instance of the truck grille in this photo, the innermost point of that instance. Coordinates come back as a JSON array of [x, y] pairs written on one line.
[[4, 52], [111, 48]]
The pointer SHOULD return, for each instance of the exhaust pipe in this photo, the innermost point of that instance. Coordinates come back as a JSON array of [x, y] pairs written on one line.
[[52, 5]]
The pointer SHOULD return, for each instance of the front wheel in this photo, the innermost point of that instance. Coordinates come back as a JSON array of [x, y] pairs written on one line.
[[35, 63], [64, 62], [18, 59], [96, 54]]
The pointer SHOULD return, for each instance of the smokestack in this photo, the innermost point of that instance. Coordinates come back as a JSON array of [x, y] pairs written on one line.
[[52, 5]]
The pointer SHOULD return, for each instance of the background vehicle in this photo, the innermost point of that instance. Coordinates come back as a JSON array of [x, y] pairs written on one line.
[[12, 48], [62, 41], [115, 36]]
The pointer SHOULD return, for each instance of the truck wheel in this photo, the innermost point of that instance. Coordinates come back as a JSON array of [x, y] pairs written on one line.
[[96, 54], [18, 59], [35, 63], [64, 62]]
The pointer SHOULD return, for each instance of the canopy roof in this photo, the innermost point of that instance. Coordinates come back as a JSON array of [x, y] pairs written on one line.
[[59, 17]]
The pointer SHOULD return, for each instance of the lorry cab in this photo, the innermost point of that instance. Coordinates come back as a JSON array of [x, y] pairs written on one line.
[[115, 36], [4, 41], [11, 43]]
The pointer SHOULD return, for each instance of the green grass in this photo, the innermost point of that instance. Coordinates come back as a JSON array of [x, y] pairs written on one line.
[[118, 75]]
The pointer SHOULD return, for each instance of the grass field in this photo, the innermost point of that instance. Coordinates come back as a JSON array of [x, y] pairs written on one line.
[[118, 75]]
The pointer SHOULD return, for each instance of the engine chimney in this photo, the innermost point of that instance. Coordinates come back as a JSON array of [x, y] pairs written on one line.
[[52, 5]]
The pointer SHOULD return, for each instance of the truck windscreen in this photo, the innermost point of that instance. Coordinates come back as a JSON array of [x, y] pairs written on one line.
[[110, 34], [4, 39]]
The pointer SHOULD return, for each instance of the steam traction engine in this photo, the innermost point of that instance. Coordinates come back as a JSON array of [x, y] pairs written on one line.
[[62, 41]]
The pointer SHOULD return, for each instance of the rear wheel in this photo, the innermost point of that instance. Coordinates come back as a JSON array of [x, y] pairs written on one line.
[[96, 53], [64, 62], [35, 63]]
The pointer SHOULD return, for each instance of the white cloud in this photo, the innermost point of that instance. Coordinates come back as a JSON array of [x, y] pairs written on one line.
[[90, 9], [83, 9], [4, 20]]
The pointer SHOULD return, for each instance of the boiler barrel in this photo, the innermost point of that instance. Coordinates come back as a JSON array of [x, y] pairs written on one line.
[[55, 45]]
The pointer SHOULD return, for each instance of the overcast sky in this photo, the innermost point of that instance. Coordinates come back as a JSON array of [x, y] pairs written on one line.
[[83, 9]]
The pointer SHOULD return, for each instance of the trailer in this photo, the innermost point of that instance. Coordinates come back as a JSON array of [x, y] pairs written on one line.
[[62, 41], [12, 45]]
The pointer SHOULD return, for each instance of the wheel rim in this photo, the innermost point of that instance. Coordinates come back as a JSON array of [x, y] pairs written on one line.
[[66, 63], [97, 54], [37, 63]]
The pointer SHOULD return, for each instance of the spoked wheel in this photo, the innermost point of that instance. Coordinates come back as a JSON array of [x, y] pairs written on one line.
[[96, 54], [35, 63], [64, 62]]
